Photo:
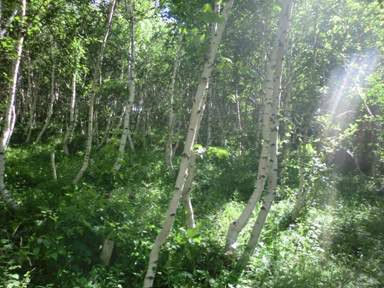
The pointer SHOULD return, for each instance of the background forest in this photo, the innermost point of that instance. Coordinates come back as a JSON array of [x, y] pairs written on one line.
[[203, 143]]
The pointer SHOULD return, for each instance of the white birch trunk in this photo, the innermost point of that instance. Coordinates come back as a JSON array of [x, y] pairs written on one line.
[[31, 97], [186, 194], [71, 126], [4, 30], [50, 107], [272, 92], [263, 213], [126, 135], [302, 193], [10, 115], [106, 251], [108, 126], [53, 166], [95, 84], [210, 114], [272, 175], [171, 120], [194, 125]]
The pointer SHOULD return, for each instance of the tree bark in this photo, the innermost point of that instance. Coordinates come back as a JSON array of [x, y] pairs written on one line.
[[302, 193], [186, 194], [126, 135], [169, 152], [50, 107], [274, 125], [10, 115], [194, 125], [71, 126], [95, 84], [33, 101], [272, 92], [53, 166]]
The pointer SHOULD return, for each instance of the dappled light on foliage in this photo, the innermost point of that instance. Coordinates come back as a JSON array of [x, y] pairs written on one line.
[[184, 144]]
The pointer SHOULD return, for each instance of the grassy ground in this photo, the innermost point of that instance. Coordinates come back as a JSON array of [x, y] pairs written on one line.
[[54, 240]]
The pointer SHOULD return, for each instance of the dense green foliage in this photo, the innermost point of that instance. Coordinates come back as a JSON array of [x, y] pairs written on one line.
[[331, 144]]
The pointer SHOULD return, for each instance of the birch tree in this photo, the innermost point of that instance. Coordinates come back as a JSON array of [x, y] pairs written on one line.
[[33, 100], [193, 128], [169, 151], [126, 135], [10, 115], [95, 84], [52, 98], [186, 194], [272, 92], [71, 126], [279, 49]]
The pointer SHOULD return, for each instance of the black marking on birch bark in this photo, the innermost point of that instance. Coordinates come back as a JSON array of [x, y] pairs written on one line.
[[150, 277], [263, 208], [185, 155], [172, 214]]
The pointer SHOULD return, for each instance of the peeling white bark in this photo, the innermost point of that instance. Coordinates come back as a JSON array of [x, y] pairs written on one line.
[[169, 152], [194, 125], [53, 166], [71, 126], [126, 135], [50, 107], [10, 115], [95, 84], [186, 194], [272, 93]]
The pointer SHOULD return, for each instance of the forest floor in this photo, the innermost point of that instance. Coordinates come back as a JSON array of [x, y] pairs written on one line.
[[54, 239]]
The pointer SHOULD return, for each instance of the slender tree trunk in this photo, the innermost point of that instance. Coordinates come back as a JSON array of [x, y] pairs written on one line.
[[71, 126], [186, 194], [4, 30], [10, 115], [53, 166], [126, 135], [263, 213], [95, 84], [50, 107], [274, 125], [33, 99], [171, 119], [194, 125], [272, 92], [210, 112], [108, 126], [301, 194]]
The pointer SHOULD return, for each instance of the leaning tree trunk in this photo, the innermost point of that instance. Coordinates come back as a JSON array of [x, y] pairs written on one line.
[[50, 107], [186, 194], [274, 125], [264, 210], [10, 115], [95, 85], [126, 135], [194, 125], [272, 91]]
